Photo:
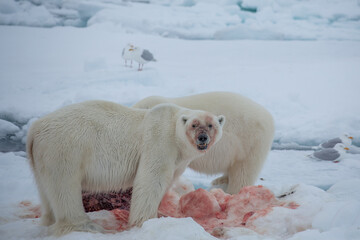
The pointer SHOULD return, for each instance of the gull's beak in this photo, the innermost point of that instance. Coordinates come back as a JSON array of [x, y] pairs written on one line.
[[346, 148], [351, 137]]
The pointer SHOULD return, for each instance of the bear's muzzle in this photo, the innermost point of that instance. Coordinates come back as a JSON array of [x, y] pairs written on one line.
[[202, 141]]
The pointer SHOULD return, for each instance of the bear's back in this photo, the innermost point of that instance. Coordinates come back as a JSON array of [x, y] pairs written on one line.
[[82, 122], [94, 113], [239, 110]]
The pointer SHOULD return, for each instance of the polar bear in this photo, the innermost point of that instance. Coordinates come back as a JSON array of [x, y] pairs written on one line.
[[103, 146], [246, 141]]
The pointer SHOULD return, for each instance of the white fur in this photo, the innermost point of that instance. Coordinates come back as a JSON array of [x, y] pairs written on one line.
[[246, 141], [103, 146]]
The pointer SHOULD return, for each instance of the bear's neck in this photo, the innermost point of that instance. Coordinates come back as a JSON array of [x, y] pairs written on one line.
[[187, 152]]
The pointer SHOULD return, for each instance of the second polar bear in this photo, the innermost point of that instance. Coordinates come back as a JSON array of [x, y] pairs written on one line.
[[246, 141], [100, 146]]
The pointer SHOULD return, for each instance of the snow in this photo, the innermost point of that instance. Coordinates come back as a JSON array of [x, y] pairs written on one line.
[[197, 19], [312, 92], [72, 53], [319, 215]]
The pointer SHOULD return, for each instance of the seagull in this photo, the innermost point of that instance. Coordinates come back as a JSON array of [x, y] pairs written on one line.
[[128, 54], [354, 149], [330, 154], [346, 139], [142, 56]]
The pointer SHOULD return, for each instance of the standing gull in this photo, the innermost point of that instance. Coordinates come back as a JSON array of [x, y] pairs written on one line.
[[330, 154], [143, 56], [354, 149], [346, 139], [128, 54]]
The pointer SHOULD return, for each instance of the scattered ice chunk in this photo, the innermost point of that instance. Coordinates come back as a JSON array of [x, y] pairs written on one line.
[[8, 7], [7, 128], [346, 189], [338, 214]]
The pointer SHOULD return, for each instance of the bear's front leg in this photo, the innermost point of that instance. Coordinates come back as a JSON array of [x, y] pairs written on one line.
[[153, 178]]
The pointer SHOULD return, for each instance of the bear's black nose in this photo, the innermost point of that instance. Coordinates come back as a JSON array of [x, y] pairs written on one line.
[[202, 138]]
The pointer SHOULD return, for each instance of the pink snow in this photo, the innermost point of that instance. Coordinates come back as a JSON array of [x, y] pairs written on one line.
[[214, 210]]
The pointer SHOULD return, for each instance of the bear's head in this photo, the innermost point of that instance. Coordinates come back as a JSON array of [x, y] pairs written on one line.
[[201, 129]]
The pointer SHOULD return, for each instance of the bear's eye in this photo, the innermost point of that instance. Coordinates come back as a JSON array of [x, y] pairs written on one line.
[[194, 126], [210, 126]]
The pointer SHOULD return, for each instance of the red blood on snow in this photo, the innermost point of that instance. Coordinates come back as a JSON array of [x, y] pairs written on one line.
[[216, 208], [107, 201], [199, 204], [213, 210]]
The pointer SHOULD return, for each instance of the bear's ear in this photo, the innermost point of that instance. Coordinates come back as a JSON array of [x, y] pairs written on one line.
[[184, 119], [221, 120]]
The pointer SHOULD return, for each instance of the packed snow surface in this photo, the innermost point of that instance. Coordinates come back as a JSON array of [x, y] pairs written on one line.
[[305, 210], [72, 52], [310, 87]]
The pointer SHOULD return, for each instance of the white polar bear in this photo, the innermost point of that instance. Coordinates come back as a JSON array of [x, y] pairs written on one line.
[[246, 141], [103, 146]]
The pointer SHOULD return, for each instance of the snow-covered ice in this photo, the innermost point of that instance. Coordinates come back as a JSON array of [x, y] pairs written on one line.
[[7, 128], [319, 215], [197, 19], [310, 87]]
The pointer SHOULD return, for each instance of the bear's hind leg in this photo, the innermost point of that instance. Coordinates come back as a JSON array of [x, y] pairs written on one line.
[[47, 215], [241, 174], [66, 200], [244, 172], [63, 227], [221, 180]]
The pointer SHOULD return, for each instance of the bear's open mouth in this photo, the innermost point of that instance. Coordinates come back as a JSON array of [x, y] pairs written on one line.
[[202, 146]]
